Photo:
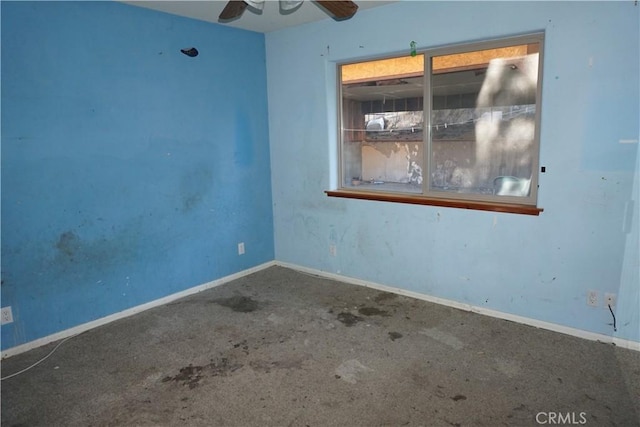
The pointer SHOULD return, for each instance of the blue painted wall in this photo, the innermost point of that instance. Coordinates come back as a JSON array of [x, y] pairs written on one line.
[[129, 170], [537, 267]]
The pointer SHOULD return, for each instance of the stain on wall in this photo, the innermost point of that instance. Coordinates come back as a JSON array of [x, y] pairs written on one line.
[[195, 185], [68, 244], [126, 176], [578, 238]]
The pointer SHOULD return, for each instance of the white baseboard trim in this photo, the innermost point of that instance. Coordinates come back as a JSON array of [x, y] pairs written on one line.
[[592, 336], [131, 311], [628, 344]]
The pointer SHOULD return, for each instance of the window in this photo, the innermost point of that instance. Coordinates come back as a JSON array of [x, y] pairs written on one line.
[[466, 135]]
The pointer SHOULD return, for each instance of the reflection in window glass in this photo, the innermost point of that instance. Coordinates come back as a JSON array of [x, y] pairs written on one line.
[[382, 118], [483, 121], [475, 138]]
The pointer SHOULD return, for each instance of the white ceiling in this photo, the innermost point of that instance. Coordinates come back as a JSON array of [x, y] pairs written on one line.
[[269, 19]]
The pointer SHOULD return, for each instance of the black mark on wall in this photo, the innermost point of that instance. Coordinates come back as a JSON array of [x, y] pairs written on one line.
[[195, 186], [68, 244]]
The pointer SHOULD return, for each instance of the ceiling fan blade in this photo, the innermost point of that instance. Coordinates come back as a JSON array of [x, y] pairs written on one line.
[[340, 10], [232, 10]]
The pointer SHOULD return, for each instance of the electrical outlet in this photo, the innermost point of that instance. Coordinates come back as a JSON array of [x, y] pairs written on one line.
[[609, 300], [241, 248], [332, 250], [7, 315], [592, 298]]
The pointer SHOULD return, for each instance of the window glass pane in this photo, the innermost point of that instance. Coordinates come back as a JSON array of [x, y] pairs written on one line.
[[382, 124], [483, 121]]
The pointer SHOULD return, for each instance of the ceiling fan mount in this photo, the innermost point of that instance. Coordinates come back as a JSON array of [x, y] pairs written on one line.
[[337, 9]]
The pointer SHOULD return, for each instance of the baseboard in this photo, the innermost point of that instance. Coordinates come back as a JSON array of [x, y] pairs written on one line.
[[628, 344], [592, 336], [131, 311]]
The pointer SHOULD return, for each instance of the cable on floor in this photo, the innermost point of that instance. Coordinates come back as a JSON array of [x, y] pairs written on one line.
[[39, 361], [614, 318]]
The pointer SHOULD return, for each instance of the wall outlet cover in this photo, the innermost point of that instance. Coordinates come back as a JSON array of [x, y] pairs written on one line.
[[609, 300], [333, 250], [6, 315], [592, 298]]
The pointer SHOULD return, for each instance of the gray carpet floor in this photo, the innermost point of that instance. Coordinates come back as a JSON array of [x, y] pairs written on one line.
[[284, 348]]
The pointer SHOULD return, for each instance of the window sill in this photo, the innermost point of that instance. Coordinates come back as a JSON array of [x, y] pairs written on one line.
[[431, 201]]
